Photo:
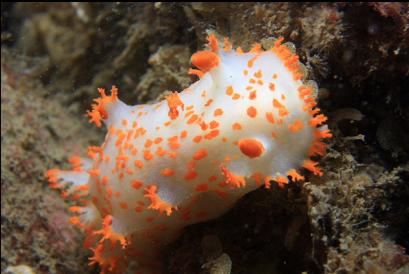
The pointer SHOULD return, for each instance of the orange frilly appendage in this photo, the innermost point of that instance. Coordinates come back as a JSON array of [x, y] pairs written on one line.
[[231, 178], [98, 111], [109, 234], [156, 202], [174, 102], [109, 252]]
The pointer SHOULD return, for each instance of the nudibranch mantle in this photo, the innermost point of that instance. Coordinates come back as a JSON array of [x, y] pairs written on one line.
[[249, 120]]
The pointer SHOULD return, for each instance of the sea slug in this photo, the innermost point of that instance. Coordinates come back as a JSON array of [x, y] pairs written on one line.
[[250, 120]]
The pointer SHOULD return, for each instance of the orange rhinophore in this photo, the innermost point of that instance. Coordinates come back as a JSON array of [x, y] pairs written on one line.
[[205, 60], [250, 119]]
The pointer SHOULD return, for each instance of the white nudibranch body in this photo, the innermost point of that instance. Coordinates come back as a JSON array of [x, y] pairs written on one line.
[[248, 121]]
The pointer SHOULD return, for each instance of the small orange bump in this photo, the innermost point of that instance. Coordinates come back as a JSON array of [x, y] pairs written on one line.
[[183, 134], [75, 209], [147, 155], [123, 205], [209, 102], [167, 172], [272, 87], [137, 184], [229, 90], [212, 178], [190, 112], [218, 112], [160, 151], [250, 63], [282, 110], [138, 163], [252, 112], [75, 162], [258, 74], [105, 180], [75, 220], [148, 143], [94, 172], [190, 175], [236, 126], [251, 147], [158, 140], [174, 146], [296, 126], [200, 154], [192, 119], [236, 96], [270, 117], [214, 124], [202, 187], [203, 124], [197, 138], [253, 95], [212, 134]]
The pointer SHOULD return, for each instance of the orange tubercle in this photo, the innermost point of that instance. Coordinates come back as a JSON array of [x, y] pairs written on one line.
[[251, 147]]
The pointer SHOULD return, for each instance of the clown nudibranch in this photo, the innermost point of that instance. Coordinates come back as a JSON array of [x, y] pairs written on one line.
[[249, 120]]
